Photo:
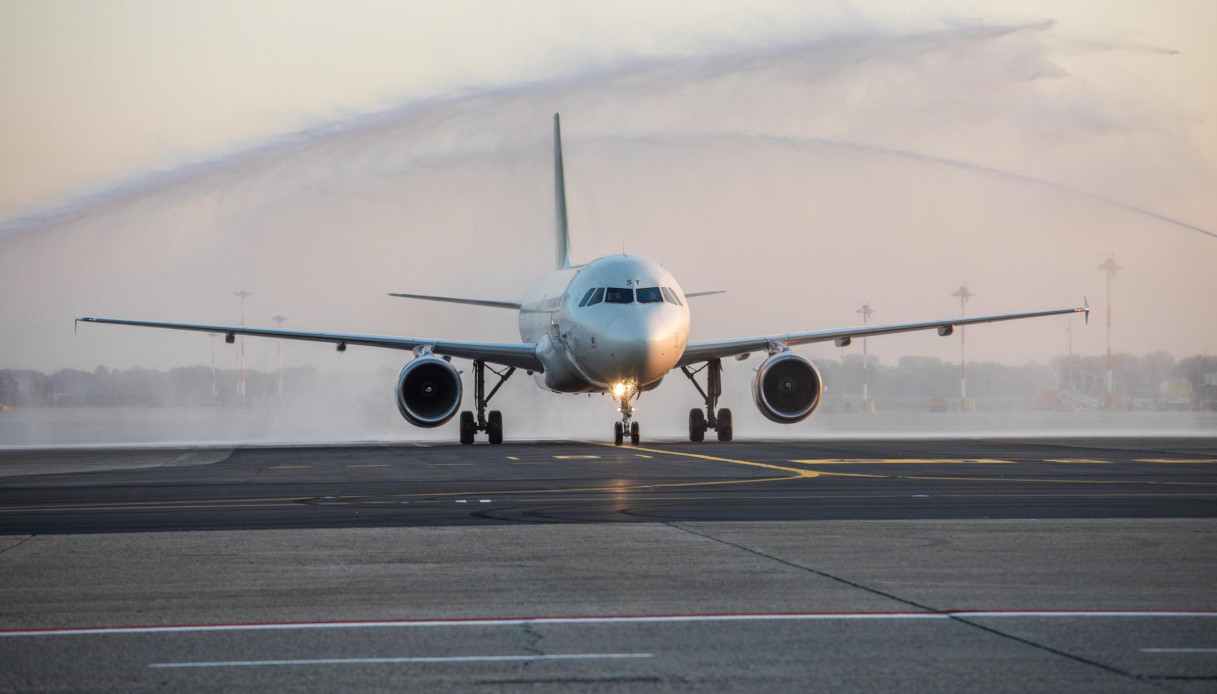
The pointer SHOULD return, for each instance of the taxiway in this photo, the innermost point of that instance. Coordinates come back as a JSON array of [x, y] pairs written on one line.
[[994, 565]]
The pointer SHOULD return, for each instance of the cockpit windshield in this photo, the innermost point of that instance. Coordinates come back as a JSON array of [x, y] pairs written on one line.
[[619, 295], [649, 295], [627, 295]]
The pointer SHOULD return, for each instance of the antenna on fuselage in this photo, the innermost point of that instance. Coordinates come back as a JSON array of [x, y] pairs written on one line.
[[563, 247]]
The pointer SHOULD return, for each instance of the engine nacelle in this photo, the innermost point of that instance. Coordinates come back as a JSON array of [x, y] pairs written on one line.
[[787, 388], [428, 392]]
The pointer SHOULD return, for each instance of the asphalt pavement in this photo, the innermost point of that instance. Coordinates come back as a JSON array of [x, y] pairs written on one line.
[[962, 565]]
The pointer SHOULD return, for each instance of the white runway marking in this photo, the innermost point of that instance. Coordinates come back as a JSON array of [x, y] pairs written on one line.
[[1179, 650], [608, 619], [451, 659]]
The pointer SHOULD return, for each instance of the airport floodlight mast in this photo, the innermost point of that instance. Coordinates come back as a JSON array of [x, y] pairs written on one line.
[[279, 350], [964, 294], [1109, 266], [213, 366], [241, 351], [866, 312]]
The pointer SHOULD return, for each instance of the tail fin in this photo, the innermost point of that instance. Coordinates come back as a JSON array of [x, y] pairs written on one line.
[[563, 248]]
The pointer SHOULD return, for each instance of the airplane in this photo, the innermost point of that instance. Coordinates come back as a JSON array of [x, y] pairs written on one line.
[[615, 325]]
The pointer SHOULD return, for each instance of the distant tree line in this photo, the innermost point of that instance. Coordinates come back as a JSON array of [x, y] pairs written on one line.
[[189, 385], [924, 377], [911, 377]]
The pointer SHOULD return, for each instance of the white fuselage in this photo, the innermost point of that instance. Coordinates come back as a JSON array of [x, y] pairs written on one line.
[[617, 320]]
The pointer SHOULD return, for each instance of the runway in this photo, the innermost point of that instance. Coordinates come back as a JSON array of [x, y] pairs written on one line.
[[393, 485], [847, 565]]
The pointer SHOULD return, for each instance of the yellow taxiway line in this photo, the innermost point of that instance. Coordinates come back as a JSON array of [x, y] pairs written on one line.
[[794, 472], [153, 505], [1177, 461], [903, 461]]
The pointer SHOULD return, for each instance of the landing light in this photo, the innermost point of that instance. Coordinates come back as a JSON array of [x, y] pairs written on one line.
[[620, 389]]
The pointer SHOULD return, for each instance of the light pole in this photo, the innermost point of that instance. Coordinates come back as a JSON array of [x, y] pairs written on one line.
[[964, 294], [279, 348], [213, 366], [241, 351], [1109, 266], [865, 312]]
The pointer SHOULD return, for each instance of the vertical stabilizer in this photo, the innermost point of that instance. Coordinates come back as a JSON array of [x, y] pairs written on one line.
[[563, 247]]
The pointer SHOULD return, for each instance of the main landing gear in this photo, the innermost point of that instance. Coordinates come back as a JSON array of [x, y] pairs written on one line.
[[626, 426], [492, 425], [700, 421]]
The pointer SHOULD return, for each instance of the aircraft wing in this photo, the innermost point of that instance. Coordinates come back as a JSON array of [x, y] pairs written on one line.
[[459, 300], [703, 350], [519, 355]]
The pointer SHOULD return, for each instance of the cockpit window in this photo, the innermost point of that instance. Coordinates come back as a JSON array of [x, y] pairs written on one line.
[[587, 297], [670, 296], [597, 297], [619, 295], [649, 295]]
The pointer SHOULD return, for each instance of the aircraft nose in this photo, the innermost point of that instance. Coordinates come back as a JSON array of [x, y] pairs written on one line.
[[642, 342]]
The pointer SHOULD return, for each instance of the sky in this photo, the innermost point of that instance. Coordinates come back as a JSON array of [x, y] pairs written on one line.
[[99, 92], [156, 156]]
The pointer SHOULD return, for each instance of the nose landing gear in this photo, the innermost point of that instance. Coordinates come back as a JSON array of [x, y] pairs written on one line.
[[626, 425], [721, 422]]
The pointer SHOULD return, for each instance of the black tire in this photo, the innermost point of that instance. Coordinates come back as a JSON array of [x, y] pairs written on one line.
[[725, 427], [634, 433], [468, 428], [697, 425], [618, 433], [494, 427]]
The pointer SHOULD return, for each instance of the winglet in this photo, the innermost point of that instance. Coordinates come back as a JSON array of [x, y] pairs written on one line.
[[563, 247], [75, 320], [1086, 309]]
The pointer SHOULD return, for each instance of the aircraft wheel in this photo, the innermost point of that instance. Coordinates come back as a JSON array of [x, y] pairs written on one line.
[[494, 426], [724, 425], [618, 433], [634, 433], [468, 428], [697, 425]]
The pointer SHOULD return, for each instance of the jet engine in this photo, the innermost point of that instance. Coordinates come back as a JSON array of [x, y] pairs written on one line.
[[428, 391], [787, 388]]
